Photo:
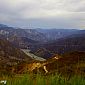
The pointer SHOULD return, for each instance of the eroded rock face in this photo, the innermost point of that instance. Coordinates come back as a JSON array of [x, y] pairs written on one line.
[[37, 66], [42, 66], [31, 67], [34, 66]]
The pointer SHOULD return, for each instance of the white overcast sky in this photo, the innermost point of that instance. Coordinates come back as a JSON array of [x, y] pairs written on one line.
[[43, 13]]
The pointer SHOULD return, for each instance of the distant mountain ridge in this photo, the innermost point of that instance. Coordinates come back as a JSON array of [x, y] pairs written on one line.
[[54, 34], [2, 25], [45, 42], [22, 38], [43, 35]]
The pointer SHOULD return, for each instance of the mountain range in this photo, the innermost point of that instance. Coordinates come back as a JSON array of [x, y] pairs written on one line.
[[74, 42], [57, 47]]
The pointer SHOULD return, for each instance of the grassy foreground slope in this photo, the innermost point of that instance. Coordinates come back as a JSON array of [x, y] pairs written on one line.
[[30, 79]]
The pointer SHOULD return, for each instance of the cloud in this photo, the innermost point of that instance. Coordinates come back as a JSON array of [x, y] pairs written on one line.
[[43, 13]]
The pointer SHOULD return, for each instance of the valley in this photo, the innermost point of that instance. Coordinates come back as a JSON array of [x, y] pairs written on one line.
[[42, 42], [40, 52]]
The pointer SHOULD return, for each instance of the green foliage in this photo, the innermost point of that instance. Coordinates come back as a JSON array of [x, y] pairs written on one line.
[[38, 79]]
